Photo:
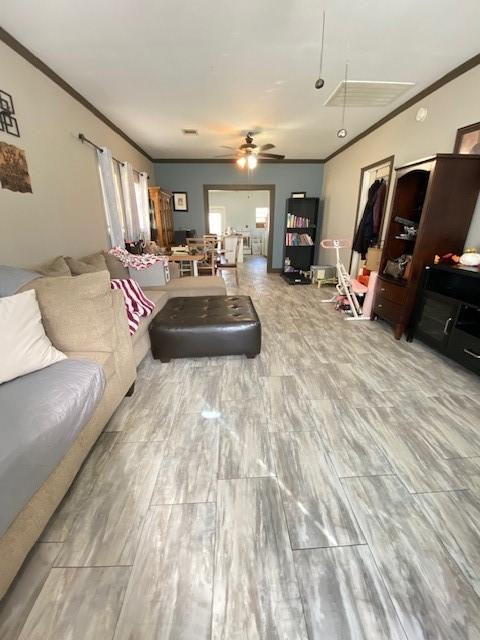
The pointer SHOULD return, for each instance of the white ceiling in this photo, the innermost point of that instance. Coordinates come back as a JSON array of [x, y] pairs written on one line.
[[221, 66]]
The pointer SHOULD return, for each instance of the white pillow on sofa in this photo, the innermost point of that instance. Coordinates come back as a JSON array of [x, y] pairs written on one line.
[[24, 345]]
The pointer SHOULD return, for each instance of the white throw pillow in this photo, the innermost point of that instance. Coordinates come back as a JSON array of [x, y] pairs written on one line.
[[24, 346]]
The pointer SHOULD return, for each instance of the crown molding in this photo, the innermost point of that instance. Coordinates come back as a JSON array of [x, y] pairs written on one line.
[[448, 77], [232, 161], [30, 57]]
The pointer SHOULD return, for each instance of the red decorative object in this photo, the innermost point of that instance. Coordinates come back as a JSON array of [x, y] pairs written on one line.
[[448, 258]]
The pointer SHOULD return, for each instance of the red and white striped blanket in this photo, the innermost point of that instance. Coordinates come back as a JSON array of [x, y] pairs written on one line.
[[136, 302]]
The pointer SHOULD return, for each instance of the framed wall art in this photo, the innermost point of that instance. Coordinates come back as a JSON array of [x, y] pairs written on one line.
[[468, 139], [13, 169], [8, 121], [180, 201]]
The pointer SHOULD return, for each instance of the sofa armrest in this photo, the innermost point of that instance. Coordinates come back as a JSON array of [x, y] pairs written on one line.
[[124, 359]]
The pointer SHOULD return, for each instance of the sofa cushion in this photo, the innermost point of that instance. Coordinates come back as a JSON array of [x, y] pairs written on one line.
[[103, 358], [42, 414], [191, 286], [89, 264], [77, 312], [115, 267], [23, 343], [55, 268], [13, 278], [160, 298]]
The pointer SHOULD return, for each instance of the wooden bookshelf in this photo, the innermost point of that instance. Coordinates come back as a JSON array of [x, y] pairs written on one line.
[[301, 223], [161, 204]]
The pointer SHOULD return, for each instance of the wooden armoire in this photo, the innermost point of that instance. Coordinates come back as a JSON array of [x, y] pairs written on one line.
[[439, 195], [161, 205]]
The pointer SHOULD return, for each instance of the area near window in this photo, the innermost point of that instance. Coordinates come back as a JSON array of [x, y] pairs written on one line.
[[261, 216]]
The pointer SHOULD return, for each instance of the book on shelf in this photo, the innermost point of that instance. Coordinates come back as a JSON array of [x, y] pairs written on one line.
[[297, 222], [298, 240]]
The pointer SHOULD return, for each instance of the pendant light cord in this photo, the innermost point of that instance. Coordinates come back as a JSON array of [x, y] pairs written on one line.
[[344, 95], [322, 46]]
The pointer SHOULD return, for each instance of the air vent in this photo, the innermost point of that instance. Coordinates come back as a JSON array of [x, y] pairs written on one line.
[[363, 93], [190, 132]]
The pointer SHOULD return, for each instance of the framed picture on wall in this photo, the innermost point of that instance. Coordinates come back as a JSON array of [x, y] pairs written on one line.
[[299, 194], [180, 201], [468, 139]]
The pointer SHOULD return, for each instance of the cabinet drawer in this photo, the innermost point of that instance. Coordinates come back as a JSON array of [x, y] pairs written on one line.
[[388, 309], [465, 349], [390, 291]]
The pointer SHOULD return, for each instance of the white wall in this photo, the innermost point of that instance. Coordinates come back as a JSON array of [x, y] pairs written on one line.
[[454, 105], [64, 214], [239, 206]]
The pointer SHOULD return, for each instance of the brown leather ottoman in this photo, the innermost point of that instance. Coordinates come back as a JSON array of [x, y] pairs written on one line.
[[206, 326]]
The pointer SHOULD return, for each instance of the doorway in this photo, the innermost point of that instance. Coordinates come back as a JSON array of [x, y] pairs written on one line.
[[378, 171], [244, 209]]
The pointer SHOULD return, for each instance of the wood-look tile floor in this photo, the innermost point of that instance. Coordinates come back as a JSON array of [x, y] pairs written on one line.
[[328, 489]]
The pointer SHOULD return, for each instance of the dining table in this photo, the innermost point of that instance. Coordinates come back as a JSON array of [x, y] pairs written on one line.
[[194, 258]]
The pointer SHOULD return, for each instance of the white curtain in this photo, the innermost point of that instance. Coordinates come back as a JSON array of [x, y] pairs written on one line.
[[143, 206], [134, 231], [111, 198]]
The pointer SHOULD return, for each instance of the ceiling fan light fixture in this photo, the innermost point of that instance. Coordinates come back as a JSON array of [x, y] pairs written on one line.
[[251, 162], [242, 162]]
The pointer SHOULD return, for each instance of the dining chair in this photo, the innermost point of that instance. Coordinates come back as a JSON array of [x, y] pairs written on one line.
[[231, 266], [207, 247], [212, 237], [185, 267]]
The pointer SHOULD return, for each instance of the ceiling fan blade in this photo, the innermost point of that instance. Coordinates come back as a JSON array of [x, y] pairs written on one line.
[[266, 147], [226, 146], [273, 156], [226, 155]]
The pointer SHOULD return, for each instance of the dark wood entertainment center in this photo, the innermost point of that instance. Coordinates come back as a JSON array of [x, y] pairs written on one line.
[[447, 314], [438, 194]]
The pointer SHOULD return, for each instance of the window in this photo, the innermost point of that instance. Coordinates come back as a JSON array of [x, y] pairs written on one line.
[[261, 217]]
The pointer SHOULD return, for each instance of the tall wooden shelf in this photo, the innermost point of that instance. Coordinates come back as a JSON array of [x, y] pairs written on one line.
[[439, 194], [301, 257], [161, 204]]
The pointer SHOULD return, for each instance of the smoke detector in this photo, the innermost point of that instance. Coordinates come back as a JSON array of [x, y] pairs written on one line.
[[365, 93]]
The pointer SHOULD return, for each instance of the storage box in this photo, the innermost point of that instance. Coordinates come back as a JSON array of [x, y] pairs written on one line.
[[323, 272], [374, 256], [156, 275]]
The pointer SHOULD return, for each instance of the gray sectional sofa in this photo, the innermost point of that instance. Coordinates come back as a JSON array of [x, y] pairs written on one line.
[[50, 419]]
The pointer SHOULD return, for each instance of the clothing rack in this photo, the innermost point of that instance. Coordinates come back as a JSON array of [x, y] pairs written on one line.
[[383, 171], [83, 138]]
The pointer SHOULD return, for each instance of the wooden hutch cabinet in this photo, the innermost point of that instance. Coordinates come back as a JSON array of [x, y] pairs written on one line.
[[161, 205], [439, 195]]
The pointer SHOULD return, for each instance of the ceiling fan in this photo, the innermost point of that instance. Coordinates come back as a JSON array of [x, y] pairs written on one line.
[[248, 152]]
